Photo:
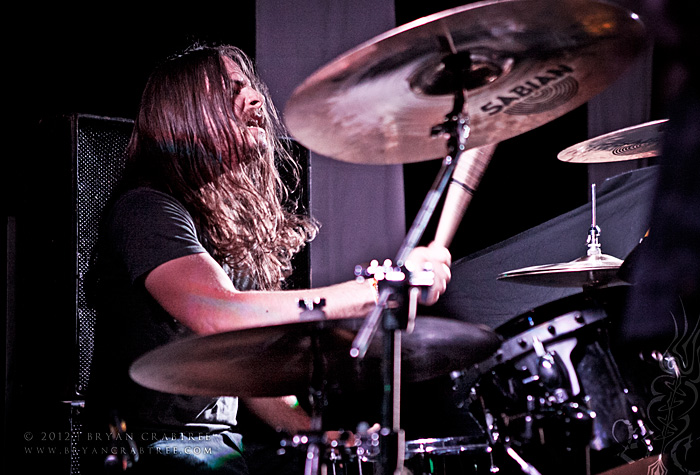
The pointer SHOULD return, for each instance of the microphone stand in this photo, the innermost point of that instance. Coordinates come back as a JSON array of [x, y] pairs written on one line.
[[456, 128]]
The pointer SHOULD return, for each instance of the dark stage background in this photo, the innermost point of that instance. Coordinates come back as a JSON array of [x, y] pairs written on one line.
[[62, 62]]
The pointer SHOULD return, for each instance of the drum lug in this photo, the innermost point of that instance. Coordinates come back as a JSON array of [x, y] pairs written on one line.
[[550, 374]]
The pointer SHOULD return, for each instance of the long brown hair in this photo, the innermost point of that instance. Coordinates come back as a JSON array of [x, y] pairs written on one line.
[[183, 142]]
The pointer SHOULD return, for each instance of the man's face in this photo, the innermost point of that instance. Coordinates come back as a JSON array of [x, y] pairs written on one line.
[[248, 106]]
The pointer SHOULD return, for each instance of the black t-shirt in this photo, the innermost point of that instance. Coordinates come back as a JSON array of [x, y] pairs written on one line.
[[144, 229]]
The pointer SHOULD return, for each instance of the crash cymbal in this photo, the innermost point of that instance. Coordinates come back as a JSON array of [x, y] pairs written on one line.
[[631, 143], [589, 271], [523, 63], [278, 360]]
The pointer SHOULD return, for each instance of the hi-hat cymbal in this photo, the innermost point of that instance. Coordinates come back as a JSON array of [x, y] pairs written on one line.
[[631, 143], [588, 271], [279, 360], [522, 63]]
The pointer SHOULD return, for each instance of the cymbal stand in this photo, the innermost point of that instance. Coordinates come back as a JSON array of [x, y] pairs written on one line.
[[315, 441], [455, 127], [593, 241]]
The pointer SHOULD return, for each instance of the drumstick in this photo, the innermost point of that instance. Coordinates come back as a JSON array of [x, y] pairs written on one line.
[[465, 179]]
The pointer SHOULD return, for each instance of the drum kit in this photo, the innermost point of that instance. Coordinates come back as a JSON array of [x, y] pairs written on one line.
[[544, 388]]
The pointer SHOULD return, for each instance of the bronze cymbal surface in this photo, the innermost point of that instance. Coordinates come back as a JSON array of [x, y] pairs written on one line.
[[522, 63], [593, 270], [630, 143], [280, 360]]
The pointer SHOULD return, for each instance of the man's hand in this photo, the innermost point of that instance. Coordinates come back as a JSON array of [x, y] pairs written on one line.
[[438, 259]]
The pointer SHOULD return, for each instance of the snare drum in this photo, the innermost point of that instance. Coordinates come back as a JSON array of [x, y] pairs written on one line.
[[447, 456], [554, 387], [442, 436]]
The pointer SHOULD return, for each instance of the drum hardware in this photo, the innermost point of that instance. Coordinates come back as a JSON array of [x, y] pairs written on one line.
[[397, 285], [341, 452], [441, 455], [467, 380], [562, 424], [594, 270], [456, 129], [533, 339], [317, 388], [495, 441], [669, 363], [550, 373], [556, 386], [443, 446], [631, 143]]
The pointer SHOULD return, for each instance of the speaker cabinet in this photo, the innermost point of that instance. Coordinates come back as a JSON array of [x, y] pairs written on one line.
[[66, 179], [80, 160]]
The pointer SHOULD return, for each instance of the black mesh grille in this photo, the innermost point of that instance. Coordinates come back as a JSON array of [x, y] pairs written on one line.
[[76, 440], [101, 146]]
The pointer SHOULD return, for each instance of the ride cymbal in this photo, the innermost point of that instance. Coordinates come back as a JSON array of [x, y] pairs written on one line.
[[522, 64]]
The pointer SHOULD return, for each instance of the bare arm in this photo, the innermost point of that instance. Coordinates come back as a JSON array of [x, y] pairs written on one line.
[[196, 291]]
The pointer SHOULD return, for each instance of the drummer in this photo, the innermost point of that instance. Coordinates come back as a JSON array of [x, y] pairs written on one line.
[[199, 240]]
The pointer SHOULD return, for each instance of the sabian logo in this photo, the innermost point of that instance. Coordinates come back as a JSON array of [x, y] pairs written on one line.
[[541, 93]]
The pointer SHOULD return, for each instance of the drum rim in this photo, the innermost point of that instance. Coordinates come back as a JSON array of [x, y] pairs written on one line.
[[445, 445], [547, 332]]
